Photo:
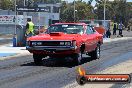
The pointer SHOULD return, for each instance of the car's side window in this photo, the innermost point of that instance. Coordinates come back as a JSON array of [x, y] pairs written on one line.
[[93, 29], [89, 30]]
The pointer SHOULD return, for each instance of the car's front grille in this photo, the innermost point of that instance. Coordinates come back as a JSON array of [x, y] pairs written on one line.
[[49, 43]]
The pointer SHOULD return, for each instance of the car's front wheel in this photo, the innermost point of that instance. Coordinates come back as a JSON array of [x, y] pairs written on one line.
[[77, 58], [37, 59]]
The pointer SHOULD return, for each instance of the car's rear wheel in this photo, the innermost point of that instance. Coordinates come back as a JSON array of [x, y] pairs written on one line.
[[37, 59], [96, 53]]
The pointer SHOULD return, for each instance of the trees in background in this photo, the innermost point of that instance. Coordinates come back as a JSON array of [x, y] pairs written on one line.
[[83, 11], [6, 4], [117, 10]]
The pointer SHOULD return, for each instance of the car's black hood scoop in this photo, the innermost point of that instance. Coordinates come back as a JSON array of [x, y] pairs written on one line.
[[56, 33]]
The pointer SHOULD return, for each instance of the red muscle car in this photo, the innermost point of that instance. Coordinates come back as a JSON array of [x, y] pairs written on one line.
[[66, 39]]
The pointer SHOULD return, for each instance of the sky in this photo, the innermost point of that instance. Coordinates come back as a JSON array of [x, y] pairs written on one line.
[[93, 3]]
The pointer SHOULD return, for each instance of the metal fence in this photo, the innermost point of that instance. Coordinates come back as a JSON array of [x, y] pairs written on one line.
[[106, 24]]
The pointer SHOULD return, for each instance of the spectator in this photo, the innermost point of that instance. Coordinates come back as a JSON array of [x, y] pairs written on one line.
[[108, 33], [114, 28], [120, 28], [29, 28]]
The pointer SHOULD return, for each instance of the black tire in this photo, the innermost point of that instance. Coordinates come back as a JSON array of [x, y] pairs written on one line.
[[96, 53], [77, 58], [37, 59]]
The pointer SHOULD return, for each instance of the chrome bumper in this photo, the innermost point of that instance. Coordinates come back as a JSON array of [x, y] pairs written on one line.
[[51, 48]]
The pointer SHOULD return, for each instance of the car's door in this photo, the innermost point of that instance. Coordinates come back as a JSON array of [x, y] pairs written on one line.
[[91, 39], [94, 36]]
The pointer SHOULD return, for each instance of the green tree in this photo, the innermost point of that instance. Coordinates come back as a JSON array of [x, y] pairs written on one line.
[[118, 10], [6, 4], [109, 11], [83, 11], [66, 12], [129, 12], [63, 7]]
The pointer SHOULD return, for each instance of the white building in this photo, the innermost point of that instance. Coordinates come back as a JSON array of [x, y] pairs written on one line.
[[46, 18]]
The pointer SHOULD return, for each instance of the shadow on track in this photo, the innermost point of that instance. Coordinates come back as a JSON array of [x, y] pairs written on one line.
[[59, 62]]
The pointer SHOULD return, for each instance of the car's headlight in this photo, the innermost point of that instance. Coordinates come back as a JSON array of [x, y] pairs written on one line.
[[68, 43], [36, 43], [62, 43], [39, 43]]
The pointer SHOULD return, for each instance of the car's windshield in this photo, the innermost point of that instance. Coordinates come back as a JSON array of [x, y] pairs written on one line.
[[66, 28]]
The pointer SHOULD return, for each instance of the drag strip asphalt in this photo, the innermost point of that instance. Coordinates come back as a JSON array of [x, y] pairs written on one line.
[[20, 72]]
